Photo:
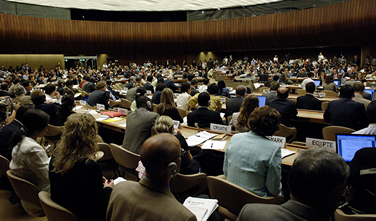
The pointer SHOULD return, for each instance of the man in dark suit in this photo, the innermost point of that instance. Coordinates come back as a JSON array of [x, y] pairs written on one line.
[[130, 82], [148, 85], [273, 92], [346, 112], [4, 89], [316, 181], [308, 101], [284, 106], [202, 115], [99, 96], [233, 105], [194, 85], [170, 84]]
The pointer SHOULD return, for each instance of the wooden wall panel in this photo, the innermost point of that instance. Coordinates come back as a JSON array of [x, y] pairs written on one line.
[[351, 23]]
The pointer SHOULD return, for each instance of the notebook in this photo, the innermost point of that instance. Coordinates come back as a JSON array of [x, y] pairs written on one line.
[[262, 100], [348, 144]]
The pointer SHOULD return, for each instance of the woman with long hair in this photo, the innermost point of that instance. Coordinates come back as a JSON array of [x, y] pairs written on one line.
[[76, 179], [240, 119], [167, 105], [29, 159], [66, 108], [164, 124]]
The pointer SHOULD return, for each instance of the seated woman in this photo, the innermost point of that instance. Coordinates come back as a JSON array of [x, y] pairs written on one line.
[[164, 124], [65, 109], [167, 105], [76, 179], [222, 90], [329, 84], [240, 119], [29, 159]]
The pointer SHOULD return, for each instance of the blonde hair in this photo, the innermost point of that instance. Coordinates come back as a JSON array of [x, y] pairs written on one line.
[[167, 97], [77, 142], [163, 124]]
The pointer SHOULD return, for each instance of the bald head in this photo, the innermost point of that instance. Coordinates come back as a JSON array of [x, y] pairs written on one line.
[[283, 92], [157, 152]]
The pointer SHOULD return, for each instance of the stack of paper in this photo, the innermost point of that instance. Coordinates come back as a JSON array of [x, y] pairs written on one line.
[[201, 207], [286, 152], [199, 138]]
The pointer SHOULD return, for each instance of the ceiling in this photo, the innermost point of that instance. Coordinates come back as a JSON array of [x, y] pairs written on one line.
[[145, 5]]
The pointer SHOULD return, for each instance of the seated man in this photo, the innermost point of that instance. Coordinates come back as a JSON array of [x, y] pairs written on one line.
[[203, 116], [51, 93], [215, 101], [308, 101], [139, 124], [182, 99], [148, 85], [38, 98], [99, 96], [346, 112], [316, 183], [284, 106], [358, 94], [158, 92], [151, 198], [170, 83], [307, 80], [233, 105], [252, 161], [273, 92]]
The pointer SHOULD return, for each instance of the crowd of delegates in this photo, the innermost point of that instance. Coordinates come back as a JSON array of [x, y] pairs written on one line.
[[164, 151]]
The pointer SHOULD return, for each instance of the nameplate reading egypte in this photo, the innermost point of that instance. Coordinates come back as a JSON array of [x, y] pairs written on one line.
[[123, 110], [176, 124], [220, 128], [329, 144], [101, 106]]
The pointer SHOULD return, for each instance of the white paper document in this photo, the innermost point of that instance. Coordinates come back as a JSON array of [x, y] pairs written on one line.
[[201, 207], [118, 180], [214, 145], [103, 117], [199, 138], [286, 152]]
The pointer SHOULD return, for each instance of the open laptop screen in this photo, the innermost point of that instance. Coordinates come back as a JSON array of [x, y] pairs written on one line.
[[337, 82], [348, 144], [262, 100], [317, 82], [371, 91]]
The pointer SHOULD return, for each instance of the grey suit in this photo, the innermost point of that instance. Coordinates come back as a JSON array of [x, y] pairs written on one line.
[[270, 96], [291, 210], [139, 124], [233, 105]]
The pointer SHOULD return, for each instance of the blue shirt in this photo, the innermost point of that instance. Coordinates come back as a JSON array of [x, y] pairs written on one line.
[[254, 163]]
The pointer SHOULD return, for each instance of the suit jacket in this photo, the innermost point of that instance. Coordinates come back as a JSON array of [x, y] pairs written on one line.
[[99, 97], [233, 105], [51, 109], [145, 200], [5, 136], [149, 87], [308, 101], [139, 124], [204, 117], [270, 96], [90, 87], [291, 210], [347, 113], [156, 99], [170, 84], [4, 93], [194, 91], [359, 98], [131, 94], [286, 108]]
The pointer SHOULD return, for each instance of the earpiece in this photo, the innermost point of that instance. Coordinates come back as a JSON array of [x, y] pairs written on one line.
[[172, 169], [150, 106]]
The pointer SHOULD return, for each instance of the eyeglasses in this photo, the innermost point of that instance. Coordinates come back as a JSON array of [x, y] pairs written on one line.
[[181, 155]]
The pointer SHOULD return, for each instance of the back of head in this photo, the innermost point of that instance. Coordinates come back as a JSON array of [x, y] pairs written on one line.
[[21, 111], [317, 179], [38, 97], [310, 87], [352, 76], [347, 91], [167, 97], [149, 78], [241, 90], [249, 104], [264, 120], [206, 81], [25, 83], [194, 82], [274, 86], [78, 142], [4, 86], [100, 85], [49, 88], [371, 112], [69, 83], [203, 99], [221, 84], [283, 92], [329, 79], [160, 87], [19, 90], [185, 87], [163, 124], [358, 86], [92, 80], [144, 102], [213, 88], [310, 74]]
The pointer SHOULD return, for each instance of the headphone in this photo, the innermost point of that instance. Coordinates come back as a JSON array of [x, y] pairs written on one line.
[[172, 169], [150, 106]]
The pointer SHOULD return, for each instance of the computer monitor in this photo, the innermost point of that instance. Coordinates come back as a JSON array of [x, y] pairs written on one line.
[[264, 78], [371, 91], [262, 100], [317, 82], [348, 144], [337, 82]]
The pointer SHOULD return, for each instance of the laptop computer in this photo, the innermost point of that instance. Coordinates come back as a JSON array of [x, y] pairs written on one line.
[[348, 144], [262, 100], [317, 82], [337, 82], [371, 91]]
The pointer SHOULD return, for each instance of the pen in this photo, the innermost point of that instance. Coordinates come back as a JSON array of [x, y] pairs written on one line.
[[211, 145], [197, 135]]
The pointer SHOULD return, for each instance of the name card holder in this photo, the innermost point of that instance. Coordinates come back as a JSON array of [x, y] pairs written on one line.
[[123, 110], [83, 103], [279, 140], [220, 128], [176, 124], [223, 100], [320, 143], [101, 106]]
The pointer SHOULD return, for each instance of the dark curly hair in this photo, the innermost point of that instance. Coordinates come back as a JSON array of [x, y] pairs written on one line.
[[264, 120]]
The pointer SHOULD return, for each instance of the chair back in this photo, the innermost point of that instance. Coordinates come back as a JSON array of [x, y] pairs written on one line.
[[232, 197], [329, 132], [84, 93], [53, 131], [339, 215], [53, 210], [155, 108], [125, 103], [4, 165], [24, 189], [302, 92], [115, 103], [288, 132], [324, 105], [183, 113], [105, 148], [329, 93], [124, 157], [188, 185]]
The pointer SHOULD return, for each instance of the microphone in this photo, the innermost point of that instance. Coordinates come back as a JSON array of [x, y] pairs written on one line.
[[198, 128]]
